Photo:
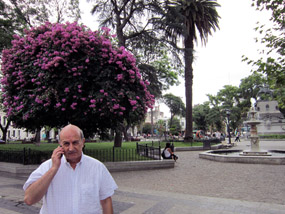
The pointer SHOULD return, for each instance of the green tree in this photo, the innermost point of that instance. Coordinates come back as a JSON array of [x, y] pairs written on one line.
[[147, 128], [250, 86], [272, 61], [131, 20], [200, 116], [15, 16], [183, 19], [175, 127], [229, 98], [215, 116], [64, 73], [161, 127], [175, 105]]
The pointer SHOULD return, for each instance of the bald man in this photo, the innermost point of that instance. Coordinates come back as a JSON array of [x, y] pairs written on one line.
[[71, 182]]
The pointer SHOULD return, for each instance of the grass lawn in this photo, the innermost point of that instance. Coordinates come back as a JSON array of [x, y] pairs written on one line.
[[97, 145], [102, 151]]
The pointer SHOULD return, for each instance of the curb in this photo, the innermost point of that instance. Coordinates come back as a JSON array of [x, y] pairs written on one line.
[[197, 148], [17, 168]]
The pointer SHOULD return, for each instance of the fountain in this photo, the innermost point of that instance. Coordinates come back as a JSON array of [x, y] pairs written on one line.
[[254, 155], [254, 138]]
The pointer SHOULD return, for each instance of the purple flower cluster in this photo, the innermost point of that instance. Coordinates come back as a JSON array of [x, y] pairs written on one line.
[[67, 67]]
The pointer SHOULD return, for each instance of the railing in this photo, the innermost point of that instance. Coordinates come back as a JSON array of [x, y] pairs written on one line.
[[115, 155], [28, 156], [149, 151]]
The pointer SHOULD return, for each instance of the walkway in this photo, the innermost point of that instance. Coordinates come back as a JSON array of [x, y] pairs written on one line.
[[194, 186]]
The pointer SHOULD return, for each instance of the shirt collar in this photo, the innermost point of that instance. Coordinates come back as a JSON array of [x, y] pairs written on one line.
[[63, 160]]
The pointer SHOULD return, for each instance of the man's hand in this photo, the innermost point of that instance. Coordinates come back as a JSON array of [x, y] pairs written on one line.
[[56, 157]]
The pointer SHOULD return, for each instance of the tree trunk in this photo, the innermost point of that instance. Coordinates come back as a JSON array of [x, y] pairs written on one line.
[[151, 119], [125, 130], [170, 122], [118, 137], [188, 57], [47, 136], [38, 136], [5, 130]]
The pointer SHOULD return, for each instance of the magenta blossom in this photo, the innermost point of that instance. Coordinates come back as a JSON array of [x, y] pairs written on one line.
[[65, 70]]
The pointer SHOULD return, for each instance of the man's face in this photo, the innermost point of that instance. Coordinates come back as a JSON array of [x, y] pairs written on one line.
[[72, 144]]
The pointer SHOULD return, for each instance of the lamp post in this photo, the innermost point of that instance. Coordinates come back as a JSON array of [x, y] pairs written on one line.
[[228, 125]]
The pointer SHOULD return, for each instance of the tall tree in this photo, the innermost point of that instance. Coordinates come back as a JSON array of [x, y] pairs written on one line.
[[183, 18], [131, 20], [250, 86], [272, 61], [215, 116], [64, 73], [175, 127], [15, 16], [175, 104], [230, 99], [200, 113]]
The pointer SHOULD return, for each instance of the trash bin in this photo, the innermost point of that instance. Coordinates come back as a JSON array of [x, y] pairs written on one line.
[[206, 144]]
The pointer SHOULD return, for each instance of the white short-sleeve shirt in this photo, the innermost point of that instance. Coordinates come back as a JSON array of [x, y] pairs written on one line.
[[75, 191]]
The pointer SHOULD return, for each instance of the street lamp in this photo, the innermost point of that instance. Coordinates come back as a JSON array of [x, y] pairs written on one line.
[[228, 125]]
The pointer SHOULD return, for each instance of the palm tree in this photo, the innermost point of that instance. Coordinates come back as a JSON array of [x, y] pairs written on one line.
[[183, 18]]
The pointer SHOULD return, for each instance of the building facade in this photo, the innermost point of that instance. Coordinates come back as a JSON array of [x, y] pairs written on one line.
[[20, 134], [272, 120]]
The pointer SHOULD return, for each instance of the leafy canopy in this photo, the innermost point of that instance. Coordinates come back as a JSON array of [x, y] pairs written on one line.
[[64, 73]]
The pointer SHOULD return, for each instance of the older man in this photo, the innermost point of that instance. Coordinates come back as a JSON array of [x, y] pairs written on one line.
[[71, 182]]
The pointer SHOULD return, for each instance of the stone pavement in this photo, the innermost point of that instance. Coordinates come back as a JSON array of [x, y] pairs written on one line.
[[194, 186]]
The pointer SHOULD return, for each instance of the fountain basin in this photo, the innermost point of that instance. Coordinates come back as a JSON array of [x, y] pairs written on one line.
[[233, 156], [255, 153]]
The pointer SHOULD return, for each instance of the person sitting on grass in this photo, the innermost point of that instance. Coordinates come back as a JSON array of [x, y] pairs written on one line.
[[168, 152]]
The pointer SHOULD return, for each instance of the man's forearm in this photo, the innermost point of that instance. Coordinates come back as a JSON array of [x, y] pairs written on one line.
[[35, 192], [107, 206]]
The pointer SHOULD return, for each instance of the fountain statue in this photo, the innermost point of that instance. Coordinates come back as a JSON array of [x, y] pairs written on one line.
[[254, 138], [255, 154]]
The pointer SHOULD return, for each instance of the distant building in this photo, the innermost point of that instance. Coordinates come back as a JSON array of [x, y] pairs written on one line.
[[273, 121], [14, 133], [157, 115], [19, 134]]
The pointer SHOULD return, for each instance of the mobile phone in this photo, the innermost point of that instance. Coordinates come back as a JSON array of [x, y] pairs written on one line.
[[60, 154]]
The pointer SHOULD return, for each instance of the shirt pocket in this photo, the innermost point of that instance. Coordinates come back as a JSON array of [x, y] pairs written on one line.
[[90, 202]]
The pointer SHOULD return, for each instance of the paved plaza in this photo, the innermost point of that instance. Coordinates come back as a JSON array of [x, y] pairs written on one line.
[[194, 185]]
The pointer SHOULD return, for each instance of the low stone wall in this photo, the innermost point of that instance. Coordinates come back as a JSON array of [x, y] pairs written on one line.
[[197, 148], [139, 165], [112, 166], [17, 168]]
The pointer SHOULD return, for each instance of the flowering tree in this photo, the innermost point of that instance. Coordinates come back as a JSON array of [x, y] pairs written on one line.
[[65, 73]]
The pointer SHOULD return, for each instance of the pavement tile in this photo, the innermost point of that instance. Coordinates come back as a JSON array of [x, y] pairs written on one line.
[[194, 186]]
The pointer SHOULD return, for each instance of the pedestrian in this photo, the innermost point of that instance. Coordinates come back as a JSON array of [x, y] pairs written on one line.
[[71, 182], [237, 137], [168, 153]]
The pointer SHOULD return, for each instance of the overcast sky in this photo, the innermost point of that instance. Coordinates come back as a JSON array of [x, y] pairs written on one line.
[[219, 63]]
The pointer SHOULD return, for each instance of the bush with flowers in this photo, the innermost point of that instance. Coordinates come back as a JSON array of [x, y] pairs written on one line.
[[65, 73]]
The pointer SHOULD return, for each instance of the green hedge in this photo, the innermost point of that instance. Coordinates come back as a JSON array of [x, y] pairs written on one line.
[[272, 136]]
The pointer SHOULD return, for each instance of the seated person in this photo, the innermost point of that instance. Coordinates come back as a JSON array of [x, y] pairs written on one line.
[[168, 152]]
